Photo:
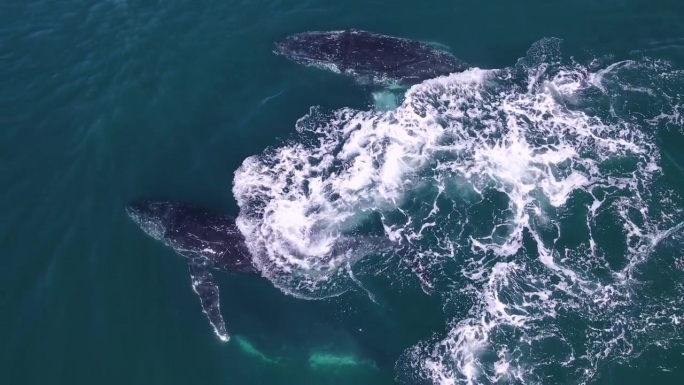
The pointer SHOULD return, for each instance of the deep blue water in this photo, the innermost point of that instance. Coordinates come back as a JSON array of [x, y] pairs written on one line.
[[554, 255]]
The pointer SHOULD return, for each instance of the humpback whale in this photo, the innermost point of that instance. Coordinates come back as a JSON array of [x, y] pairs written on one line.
[[369, 57], [208, 239], [212, 241]]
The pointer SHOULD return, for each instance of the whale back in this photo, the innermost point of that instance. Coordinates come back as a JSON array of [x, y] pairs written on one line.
[[199, 231], [370, 55], [192, 230]]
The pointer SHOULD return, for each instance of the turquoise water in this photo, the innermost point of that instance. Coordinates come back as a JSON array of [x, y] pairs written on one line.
[[553, 256]]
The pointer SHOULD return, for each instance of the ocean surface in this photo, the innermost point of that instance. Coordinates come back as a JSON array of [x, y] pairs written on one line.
[[533, 205]]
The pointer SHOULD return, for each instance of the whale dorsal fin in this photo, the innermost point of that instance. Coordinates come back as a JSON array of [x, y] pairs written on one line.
[[203, 284]]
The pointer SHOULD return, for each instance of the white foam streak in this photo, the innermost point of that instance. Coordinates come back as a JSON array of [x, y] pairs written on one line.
[[538, 145], [362, 160], [525, 157]]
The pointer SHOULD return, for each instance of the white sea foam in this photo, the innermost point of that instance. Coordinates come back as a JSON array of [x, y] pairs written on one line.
[[535, 190]]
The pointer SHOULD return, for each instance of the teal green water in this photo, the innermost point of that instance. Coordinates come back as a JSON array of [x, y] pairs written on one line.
[[103, 102]]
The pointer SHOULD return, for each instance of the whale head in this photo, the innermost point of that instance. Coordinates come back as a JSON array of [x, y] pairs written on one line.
[[313, 48], [153, 217]]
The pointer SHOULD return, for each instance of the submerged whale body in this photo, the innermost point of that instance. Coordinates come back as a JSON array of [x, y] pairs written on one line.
[[208, 239], [370, 57]]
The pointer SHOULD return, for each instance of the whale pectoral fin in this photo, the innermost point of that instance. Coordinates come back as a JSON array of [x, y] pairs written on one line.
[[203, 284]]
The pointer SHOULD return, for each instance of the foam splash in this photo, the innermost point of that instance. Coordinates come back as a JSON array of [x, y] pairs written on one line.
[[384, 100], [297, 201], [536, 269], [536, 190]]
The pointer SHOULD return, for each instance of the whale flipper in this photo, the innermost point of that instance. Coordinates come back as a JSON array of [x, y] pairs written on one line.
[[203, 284]]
